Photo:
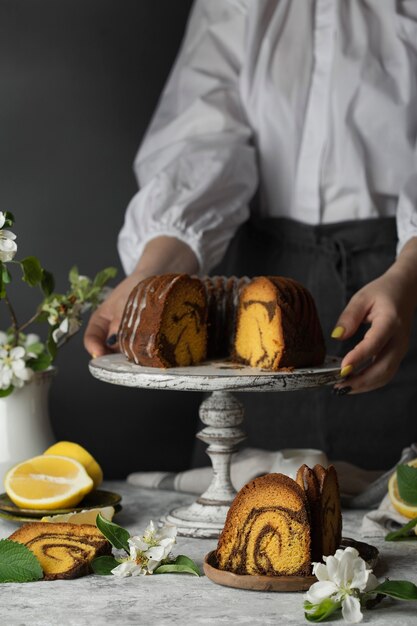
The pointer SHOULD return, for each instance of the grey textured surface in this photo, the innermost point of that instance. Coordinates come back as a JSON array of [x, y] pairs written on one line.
[[181, 599]]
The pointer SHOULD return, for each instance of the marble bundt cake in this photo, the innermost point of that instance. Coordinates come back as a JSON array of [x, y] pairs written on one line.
[[267, 529], [179, 320], [64, 550], [277, 526]]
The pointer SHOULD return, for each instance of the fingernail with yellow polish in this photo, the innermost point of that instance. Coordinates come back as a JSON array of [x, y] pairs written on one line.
[[338, 332], [345, 371]]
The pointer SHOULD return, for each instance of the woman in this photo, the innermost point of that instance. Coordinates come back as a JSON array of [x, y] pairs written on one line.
[[314, 104]]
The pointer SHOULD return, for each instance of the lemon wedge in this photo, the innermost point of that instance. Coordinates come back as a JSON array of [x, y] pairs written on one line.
[[80, 454], [408, 510], [47, 482], [82, 517]]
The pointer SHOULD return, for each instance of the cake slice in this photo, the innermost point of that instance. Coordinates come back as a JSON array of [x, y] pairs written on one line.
[[331, 511], [322, 491], [164, 323], [307, 480], [63, 550], [278, 325], [267, 529]]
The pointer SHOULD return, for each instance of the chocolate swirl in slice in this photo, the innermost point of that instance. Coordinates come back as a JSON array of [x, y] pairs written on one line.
[[64, 550], [267, 530]]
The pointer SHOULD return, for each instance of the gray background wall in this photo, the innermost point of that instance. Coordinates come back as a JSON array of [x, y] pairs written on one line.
[[79, 80]]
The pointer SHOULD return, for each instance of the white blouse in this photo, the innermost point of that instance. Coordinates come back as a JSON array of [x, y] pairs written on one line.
[[315, 102]]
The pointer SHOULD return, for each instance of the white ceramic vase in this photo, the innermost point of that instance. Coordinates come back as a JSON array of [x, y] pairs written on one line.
[[25, 428]]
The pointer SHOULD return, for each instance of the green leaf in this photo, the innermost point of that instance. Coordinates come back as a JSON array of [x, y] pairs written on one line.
[[320, 612], [36, 348], [41, 363], [9, 217], [103, 565], [399, 589], [17, 563], [73, 275], [51, 345], [47, 282], [6, 392], [403, 533], [2, 287], [32, 271], [181, 565], [104, 276], [117, 535], [407, 483], [6, 276]]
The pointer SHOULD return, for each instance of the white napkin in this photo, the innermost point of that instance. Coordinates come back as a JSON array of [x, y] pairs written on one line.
[[383, 520], [356, 484]]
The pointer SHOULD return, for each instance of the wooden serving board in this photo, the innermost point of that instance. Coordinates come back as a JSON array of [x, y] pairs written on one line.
[[278, 583], [257, 582]]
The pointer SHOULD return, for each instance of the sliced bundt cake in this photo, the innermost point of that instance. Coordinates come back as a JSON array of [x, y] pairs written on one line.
[[267, 529], [63, 550], [178, 320]]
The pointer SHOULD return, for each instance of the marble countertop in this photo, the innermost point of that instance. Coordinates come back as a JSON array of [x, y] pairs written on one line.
[[181, 599]]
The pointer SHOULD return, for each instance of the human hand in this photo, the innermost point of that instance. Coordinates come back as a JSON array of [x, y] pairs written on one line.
[[388, 304]]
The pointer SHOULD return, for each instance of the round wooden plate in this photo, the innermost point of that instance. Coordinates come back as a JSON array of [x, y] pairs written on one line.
[[277, 583]]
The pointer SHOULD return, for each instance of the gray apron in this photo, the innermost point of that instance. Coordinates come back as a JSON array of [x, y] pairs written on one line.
[[333, 261]]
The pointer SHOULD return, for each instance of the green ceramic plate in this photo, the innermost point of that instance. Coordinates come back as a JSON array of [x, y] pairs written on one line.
[[97, 498]]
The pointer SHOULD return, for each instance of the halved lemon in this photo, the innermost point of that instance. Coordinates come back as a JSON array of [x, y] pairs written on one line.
[[82, 517], [47, 482], [408, 510], [80, 454]]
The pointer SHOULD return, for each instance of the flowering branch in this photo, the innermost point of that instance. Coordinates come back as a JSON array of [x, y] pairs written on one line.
[[149, 553], [21, 355]]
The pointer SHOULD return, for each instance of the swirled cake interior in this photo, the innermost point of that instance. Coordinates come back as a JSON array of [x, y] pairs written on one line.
[[278, 325], [267, 529], [64, 550], [277, 526]]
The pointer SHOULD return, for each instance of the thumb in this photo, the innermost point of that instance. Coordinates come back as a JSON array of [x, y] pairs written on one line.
[[352, 317]]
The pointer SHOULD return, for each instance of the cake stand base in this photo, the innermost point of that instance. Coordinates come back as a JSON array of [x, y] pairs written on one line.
[[222, 414], [202, 521]]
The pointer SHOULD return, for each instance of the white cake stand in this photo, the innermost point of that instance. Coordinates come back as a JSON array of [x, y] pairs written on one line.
[[221, 413]]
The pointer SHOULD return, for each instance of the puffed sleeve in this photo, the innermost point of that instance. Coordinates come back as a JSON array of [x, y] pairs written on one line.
[[196, 167], [407, 209]]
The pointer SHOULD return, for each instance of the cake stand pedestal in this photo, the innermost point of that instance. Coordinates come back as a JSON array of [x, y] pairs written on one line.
[[221, 413]]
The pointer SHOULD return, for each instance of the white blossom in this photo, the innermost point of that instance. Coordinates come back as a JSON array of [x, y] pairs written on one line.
[[30, 340], [343, 577], [68, 327], [13, 370], [147, 551], [8, 247], [128, 568], [2, 219]]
